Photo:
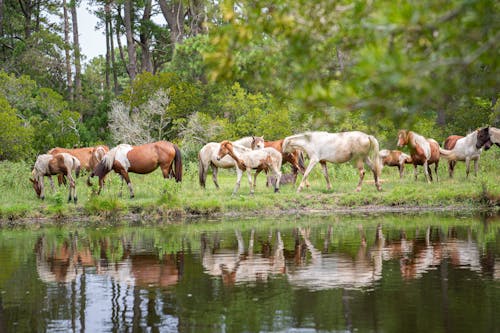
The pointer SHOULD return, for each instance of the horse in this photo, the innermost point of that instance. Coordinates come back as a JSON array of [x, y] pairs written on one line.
[[248, 159], [423, 151], [48, 165], [465, 149], [142, 159], [395, 158], [449, 144], [88, 157], [208, 157], [487, 136], [341, 147], [295, 158]]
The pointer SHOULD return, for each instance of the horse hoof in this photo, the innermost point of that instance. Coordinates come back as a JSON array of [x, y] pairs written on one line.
[[75, 200], [276, 190], [132, 196]]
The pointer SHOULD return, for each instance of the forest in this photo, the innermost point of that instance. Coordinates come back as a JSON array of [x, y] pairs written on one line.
[[206, 70]]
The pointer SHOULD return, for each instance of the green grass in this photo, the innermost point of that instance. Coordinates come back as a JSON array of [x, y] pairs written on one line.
[[156, 197]]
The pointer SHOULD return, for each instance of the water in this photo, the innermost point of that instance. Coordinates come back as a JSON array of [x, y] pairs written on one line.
[[385, 273]]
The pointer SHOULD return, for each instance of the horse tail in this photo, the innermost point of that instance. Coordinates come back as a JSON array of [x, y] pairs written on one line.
[[76, 166], [375, 154], [448, 154], [202, 172], [105, 165], [177, 164]]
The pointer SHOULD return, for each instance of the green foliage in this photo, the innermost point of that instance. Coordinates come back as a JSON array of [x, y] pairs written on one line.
[[15, 138]]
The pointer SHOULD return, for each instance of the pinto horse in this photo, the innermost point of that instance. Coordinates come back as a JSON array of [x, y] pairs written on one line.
[[248, 159], [487, 136], [88, 157], [49, 165], [295, 158], [141, 159], [341, 147], [395, 158], [423, 151], [465, 149], [449, 144], [208, 157]]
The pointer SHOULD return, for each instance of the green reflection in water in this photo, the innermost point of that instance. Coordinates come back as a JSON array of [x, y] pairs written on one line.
[[391, 273]]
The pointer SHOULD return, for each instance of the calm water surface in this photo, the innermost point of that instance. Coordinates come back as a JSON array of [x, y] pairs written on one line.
[[385, 273]]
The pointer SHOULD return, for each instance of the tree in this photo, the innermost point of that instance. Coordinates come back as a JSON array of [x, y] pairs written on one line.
[[15, 137]]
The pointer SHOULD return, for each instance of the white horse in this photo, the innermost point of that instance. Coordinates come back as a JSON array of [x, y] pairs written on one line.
[[208, 157], [49, 165], [248, 159], [341, 147], [465, 150]]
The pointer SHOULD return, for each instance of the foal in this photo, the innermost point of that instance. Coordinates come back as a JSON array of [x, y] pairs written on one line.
[[247, 159], [395, 158], [49, 165]]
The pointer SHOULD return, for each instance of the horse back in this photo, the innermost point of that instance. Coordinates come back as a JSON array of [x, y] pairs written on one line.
[[451, 141], [278, 145]]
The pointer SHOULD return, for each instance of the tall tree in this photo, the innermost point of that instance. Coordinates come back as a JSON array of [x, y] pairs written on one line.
[[128, 23], [67, 44], [145, 38], [174, 12], [76, 48]]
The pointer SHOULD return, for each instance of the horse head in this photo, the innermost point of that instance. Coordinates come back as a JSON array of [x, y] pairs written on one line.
[[403, 138], [225, 148], [483, 138], [257, 142], [36, 187]]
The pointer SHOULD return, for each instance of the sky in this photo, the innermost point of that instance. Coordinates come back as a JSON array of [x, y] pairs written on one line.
[[92, 42]]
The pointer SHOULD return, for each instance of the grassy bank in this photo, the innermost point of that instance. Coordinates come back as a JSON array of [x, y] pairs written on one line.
[[157, 198]]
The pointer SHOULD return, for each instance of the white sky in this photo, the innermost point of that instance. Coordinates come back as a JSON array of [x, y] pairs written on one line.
[[92, 42]]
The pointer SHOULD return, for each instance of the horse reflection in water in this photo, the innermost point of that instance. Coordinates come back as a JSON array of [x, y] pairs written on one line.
[[67, 262], [334, 270], [243, 265]]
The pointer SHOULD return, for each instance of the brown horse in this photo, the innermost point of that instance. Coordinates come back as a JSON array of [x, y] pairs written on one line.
[[141, 159], [449, 144], [48, 165], [423, 151], [395, 158], [295, 158], [88, 157]]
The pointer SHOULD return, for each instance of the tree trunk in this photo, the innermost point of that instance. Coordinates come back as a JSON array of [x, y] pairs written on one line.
[[146, 64], [198, 17], [127, 17], [67, 54], [26, 8], [119, 38], [174, 15], [109, 36], [1, 18], [113, 64], [77, 55]]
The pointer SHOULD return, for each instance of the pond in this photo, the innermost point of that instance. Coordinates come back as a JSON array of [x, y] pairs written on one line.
[[379, 273]]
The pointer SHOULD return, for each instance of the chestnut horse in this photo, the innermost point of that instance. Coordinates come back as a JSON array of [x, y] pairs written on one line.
[[49, 165], [295, 158], [248, 159], [465, 149], [88, 157], [449, 144], [423, 151], [141, 159], [487, 136], [395, 158], [208, 157], [342, 147]]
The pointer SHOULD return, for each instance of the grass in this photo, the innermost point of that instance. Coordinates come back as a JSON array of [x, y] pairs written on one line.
[[159, 198]]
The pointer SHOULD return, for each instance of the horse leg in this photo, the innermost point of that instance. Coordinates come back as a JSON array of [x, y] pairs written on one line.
[[42, 187], [126, 177], [370, 164], [72, 188], [214, 176], [436, 165], [476, 162], [325, 173], [51, 183], [401, 168], [429, 172], [451, 168], [277, 175], [426, 171], [467, 167], [360, 166], [312, 163], [249, 175], [415, 171], [239, 174]]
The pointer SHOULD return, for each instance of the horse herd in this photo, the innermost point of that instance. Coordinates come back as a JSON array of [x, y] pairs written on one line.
[[254, 153]]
